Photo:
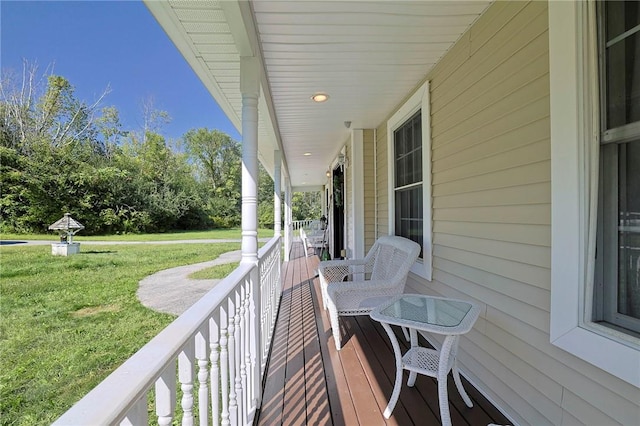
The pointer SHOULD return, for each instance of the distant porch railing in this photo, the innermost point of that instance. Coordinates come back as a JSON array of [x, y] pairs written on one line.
[[298, 224], [215, 353]]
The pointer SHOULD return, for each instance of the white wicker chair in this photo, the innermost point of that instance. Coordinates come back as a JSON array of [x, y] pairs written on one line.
[[370, 281]]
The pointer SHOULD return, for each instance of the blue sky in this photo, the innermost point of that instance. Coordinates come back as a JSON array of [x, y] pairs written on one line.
[[95, 44]]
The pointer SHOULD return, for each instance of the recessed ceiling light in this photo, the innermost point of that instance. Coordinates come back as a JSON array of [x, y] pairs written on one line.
[[320, 97], [306, 154]]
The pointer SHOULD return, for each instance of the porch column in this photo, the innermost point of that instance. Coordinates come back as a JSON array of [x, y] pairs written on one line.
[[356, 167], [287, 219], [277, 191], [250, 88]]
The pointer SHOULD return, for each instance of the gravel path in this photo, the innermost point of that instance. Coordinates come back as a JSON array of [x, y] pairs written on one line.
[[172, 292]]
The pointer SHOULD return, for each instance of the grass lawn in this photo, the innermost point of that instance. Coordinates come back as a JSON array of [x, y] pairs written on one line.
[[215, 272], [67, 322], [226, 234]]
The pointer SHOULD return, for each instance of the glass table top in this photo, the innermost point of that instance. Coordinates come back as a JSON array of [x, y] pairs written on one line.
[[426, 310]]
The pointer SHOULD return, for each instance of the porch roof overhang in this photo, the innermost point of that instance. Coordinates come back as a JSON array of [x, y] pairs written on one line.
[[366, 55]]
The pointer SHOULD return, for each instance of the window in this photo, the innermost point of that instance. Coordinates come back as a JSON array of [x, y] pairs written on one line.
[[409, 145], [407, 142], [578, 143], [617, 282]]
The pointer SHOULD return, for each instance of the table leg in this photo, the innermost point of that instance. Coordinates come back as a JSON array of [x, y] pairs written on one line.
[[461, 391], [396, 387], [443, 373], [414, 343]]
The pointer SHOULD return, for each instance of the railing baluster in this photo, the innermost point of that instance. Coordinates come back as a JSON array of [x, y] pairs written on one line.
[[265, 314], [214, 355], [233, 361], [185, 376], [241, 381], [202, 344], [166, 394], [257, 342], [224, 363], [246, 380]]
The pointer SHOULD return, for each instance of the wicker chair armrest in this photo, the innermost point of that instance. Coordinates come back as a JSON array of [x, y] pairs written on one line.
[[334, 271], [351, 295], [332, 263], [360, 286]]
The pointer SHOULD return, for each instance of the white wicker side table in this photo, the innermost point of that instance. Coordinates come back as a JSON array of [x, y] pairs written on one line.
[[450, 317]]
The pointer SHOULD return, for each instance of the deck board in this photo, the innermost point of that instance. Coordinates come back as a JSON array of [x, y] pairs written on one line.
[[309, 382]]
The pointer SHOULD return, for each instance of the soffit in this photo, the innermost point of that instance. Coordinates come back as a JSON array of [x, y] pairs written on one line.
[[367, 56]]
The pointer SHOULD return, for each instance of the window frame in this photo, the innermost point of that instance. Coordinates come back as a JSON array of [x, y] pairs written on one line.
[[574, 119], [607, 297], [419, 101]]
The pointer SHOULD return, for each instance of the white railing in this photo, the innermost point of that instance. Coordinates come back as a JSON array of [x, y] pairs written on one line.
[[222, 340], [269, 265], [297, 224]]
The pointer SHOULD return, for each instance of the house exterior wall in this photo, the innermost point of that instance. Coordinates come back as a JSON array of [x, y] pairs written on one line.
[[369, 189], [491, 196]]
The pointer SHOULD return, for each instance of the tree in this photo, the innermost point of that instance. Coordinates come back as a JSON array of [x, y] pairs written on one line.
[[265, 198], [59, 154], [37, 109], [110, 130], [219, 159], [306, 205]]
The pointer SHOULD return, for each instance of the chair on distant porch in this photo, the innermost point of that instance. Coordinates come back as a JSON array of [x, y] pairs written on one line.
[[318, 242], [305, 242], [355, 287]]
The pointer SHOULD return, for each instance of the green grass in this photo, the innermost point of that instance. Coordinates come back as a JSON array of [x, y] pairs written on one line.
[[67, 322], [215, 272], [234, 233]]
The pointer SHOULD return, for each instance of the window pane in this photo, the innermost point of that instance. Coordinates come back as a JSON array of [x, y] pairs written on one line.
[[623, 82], [622, 45], [408, 152], [629, 231], [408, 207], [622, 16]]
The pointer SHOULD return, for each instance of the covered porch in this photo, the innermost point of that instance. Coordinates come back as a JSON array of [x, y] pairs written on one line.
[[438, 120], [308, 382]]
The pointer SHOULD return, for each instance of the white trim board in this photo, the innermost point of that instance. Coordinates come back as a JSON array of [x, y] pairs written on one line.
[[569, 329], [418, 101]]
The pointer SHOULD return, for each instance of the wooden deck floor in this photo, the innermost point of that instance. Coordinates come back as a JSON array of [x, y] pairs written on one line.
[[309, 382]]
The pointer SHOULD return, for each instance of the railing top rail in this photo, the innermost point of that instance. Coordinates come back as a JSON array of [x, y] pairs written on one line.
[[275, 241], [141, 370]]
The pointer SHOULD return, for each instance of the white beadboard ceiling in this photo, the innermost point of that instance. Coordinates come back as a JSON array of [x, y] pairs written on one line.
[[366, 55]]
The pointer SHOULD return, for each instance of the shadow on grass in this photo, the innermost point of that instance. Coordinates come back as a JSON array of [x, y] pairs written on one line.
[[98, 252]]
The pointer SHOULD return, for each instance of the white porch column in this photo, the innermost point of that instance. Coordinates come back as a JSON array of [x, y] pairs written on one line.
[[287, 219], [277, 191], [357, 192], [250, 88]]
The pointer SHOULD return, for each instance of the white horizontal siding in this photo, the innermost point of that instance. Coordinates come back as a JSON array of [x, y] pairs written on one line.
[[369, 189]]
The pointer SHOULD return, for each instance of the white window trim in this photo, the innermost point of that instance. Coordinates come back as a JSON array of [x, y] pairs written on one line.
[[570, 328], [418, 101]]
